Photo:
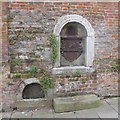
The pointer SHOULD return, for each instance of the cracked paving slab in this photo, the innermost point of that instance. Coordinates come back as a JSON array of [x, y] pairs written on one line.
[[112, 101], [65, 115]]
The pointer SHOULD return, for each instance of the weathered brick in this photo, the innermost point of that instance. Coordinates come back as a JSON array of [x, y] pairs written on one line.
[[72, 6], [64, 8], [32, 42]]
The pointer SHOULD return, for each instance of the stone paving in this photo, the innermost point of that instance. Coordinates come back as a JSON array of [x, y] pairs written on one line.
[[107, 109]]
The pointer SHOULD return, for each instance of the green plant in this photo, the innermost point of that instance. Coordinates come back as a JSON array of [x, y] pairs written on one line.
[[78, 72], [54, 48], [33, 70], [46, 82], [25, 75], [44, 72], [116, 67], [17, 61], [17, 75], [117, 59]]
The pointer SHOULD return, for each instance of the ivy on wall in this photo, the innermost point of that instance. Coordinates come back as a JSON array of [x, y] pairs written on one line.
[[54, 48]]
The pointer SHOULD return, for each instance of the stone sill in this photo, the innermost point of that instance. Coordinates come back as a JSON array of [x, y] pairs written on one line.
[[72, 70]]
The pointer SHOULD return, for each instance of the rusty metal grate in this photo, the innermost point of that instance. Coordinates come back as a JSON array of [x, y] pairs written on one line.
[[71, 47]]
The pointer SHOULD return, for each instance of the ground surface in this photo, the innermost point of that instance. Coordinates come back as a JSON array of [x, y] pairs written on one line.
[[107, 109]]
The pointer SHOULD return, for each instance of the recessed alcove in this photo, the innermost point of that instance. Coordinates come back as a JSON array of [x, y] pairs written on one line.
[[29, 89], [75, 37], [30, 95], [33, 91], [72, 45]]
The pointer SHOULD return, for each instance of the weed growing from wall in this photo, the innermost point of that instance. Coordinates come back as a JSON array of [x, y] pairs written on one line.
[[17, 75], [78, 72], [116, 66], [54, 48], [17, 61], [46, 82], [33, 70]]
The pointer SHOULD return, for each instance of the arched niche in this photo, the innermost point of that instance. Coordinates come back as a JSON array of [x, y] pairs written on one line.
[[88, 42], [33, 91], [73, 44], [29, 89]]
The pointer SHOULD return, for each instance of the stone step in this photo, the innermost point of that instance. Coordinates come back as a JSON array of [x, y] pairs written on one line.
[[67, 104]]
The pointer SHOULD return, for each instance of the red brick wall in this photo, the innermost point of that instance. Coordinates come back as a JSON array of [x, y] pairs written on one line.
[[0, 32], [90, 10], [95, 13], [4, 33]]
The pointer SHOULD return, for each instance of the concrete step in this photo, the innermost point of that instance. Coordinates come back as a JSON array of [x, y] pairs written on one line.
[[67, 104]]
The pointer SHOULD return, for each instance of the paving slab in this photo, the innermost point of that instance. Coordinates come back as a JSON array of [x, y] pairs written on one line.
[[65, 115], [6, 114], [108, 114], [104, 106], [115, 107], [86, 114], [43, 113], [119, 108], [112, 100], [0, 116], [25, 114]]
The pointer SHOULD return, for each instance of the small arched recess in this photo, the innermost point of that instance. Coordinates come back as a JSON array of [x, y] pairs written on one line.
[[29, 89], [89, 44]]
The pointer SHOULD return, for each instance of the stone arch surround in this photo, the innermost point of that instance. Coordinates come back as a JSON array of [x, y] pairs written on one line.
[[23, 85], [89, 56]]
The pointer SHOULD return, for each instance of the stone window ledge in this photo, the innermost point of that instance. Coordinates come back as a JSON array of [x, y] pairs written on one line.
[[72, 70]]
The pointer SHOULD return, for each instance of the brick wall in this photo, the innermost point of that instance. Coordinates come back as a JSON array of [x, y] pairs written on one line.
[[95, 12], [4, 32], [102, 84], [29, 26], [32, 18]]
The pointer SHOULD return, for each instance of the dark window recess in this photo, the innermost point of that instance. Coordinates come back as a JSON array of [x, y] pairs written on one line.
[[33, 91], [71, 30]]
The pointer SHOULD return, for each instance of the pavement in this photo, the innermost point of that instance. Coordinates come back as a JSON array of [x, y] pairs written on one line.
[[107, 109]]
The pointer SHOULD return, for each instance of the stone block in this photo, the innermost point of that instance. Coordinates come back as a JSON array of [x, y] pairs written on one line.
[[32, 104], [66, 104]]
